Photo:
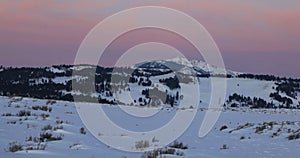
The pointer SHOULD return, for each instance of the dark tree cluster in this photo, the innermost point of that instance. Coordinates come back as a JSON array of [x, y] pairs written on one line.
[[171, 82], [242, 101], [105, 100], [237, 100], [145, 82], [172, 99], [132, 79], [267, 77], [23, 82], [104, 87], [145, 92], [259, 77], [154, 96], [284, 100], [290, 88]]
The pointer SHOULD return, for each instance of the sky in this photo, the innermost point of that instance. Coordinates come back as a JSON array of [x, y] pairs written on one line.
[[257, 36]]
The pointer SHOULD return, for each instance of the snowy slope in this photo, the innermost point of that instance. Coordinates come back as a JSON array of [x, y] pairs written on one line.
[[239, 139]]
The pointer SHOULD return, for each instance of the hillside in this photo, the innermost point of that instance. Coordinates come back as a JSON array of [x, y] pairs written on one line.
[[237, 133], [161, 78]]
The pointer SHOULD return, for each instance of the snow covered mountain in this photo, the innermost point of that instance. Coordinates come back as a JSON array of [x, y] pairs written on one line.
[[185, 66], [162, 77]]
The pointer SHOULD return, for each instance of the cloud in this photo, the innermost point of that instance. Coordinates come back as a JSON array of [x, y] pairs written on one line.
[[239, 26]]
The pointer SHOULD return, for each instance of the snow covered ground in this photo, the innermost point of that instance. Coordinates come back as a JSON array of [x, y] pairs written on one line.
[[237, 133]]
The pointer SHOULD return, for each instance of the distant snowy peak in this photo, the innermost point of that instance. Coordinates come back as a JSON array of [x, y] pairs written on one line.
[[178, 64], [201, 65], [152, 65], [185, 66], [181, 61]]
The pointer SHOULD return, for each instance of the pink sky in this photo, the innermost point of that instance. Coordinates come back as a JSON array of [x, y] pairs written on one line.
[[254, 36]]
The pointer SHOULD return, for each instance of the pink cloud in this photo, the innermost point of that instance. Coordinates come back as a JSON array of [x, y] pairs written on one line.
[[239, 27]]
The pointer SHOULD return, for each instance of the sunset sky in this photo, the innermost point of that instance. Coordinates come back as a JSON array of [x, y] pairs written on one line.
[[257, 36]]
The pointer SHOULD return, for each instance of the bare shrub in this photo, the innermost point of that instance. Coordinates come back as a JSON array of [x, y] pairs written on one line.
[[223, 127], [142, 144], [47, 127], [178, 145], [82, 130], [14, 147]]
